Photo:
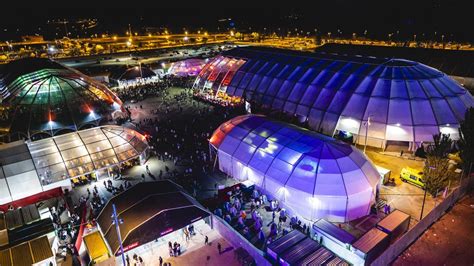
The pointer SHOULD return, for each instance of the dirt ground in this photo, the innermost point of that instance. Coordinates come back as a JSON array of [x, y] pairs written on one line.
[[449, 241], [394, 163]]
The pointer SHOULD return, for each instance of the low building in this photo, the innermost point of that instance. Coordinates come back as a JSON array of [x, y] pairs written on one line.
[[36, 252], [149, 210]]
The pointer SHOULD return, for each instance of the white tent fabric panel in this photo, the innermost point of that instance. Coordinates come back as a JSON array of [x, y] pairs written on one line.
[[399, 132], [329, 122], [398, 89], [415, 91], [225, 162], [329, 185], [353, 108], [18, 168], [399, 112], [355, 182], [443, 112], [5, 196], [229, 145], [23, 185], [357, 204], [369, 170], [376, 130], [349, 125], [63, 183], [333, 209], [239, 169], [377, 109], [255, 176], [422, 113], [425, 133], [279, 171], [244, 152], [261, 161], [457, 106]]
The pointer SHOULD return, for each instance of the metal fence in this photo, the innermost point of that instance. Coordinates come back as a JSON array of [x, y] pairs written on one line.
[[237, 240], [395, 249]]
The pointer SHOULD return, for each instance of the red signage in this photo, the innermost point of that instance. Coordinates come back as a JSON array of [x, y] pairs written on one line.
[[129, 247], [169, 230]]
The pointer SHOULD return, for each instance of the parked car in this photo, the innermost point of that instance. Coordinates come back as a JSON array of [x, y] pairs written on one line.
[[410, 175]]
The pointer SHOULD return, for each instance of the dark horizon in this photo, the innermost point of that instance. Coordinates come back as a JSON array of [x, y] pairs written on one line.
[[431, 18]]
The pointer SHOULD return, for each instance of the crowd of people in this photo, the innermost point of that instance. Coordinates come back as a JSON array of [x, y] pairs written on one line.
[[244, 213], [138, 92], [178, 130]]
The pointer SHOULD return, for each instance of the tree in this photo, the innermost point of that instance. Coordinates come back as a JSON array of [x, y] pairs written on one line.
[[466, 139], [437, 167]]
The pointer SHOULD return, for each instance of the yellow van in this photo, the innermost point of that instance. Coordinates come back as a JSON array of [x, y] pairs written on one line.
[[412, 176]]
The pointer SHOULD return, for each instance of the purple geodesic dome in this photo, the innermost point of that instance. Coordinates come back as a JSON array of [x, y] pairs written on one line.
[[313, 175]]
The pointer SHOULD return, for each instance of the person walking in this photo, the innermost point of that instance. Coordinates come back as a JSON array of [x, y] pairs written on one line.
[[161, 260], [127, 259], [219, 247], [206, 241]]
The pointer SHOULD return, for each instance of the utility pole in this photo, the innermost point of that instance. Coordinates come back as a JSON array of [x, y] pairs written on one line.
[[423, 205], [367, 124], [140, 66], [65, 27], [116, 221]]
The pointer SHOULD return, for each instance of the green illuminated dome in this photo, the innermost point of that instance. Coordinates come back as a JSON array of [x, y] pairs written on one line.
[[41, 96]]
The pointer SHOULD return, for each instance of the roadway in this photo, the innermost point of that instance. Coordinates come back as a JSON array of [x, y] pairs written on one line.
[[144, 57]]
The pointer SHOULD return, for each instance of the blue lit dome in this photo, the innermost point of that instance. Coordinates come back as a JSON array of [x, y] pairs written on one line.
[[405, 100], [313, 175]]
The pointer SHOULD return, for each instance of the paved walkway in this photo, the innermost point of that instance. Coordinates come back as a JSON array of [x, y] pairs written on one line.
[[208, 255], [194, 250]]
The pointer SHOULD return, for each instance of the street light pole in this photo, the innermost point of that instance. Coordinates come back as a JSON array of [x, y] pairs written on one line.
[[423, 205], [367, 124], [115, 221]]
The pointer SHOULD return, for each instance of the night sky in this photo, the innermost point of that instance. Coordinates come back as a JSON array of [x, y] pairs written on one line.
[[451, 18]]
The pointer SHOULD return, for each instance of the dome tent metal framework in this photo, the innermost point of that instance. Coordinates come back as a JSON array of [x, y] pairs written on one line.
[[405, 100], [43, 96], [312, 175]]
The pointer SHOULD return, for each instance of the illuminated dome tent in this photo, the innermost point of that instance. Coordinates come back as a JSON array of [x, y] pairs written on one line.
[[187, 67], [405, 100], [43, 96], [312, 175]]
